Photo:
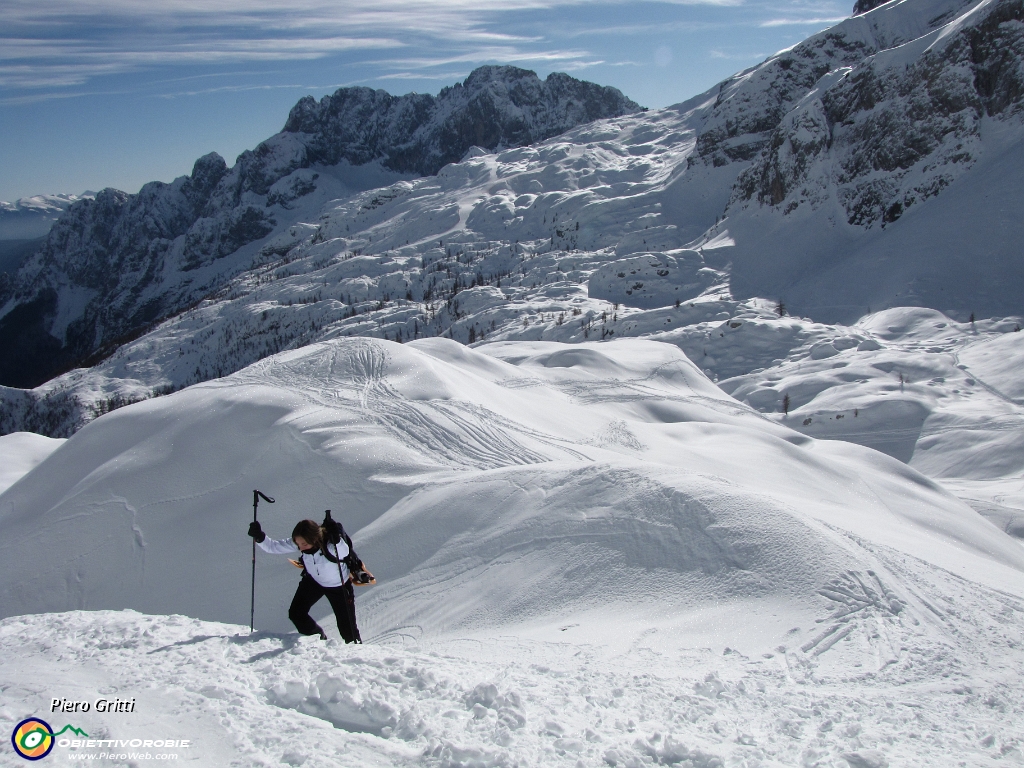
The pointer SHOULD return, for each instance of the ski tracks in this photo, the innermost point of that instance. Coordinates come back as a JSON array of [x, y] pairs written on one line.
[[914, 625], [861, 597], [353, 375]]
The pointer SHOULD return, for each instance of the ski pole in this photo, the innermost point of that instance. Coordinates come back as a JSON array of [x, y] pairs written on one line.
[[252, 599]]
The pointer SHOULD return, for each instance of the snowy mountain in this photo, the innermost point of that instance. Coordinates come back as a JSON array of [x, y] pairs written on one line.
[[797, 181], [597, 234], [587, 554], [645, 481], [891, 180], [115, 264], [29, 218]]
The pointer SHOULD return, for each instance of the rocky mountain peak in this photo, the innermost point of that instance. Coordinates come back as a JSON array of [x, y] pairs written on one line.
[[863, 6], [495, 107], [207, 173], [112, 266]]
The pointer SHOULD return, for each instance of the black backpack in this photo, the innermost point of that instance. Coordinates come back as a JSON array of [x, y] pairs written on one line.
[[334, 532]]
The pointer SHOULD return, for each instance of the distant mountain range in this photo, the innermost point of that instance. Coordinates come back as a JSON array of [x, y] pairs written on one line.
[[876, 164], [29, 218], [25, 222], [116, 263]]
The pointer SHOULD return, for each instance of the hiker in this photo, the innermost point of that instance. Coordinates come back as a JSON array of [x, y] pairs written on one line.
[[325, 571]]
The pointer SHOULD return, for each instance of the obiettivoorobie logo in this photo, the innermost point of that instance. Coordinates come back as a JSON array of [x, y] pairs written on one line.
[[34, 738]]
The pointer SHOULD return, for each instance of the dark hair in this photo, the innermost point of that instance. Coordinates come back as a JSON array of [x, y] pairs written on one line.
[[310, 531]]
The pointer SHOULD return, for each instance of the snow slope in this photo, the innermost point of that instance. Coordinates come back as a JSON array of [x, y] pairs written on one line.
[[20, 452], [940, 395], [432, 430], [586, 553], [947, 697]]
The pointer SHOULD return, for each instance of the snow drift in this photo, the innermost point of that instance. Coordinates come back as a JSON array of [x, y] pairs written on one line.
[[557, 469]]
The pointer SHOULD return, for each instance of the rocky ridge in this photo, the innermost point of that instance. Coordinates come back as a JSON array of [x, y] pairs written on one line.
[[113, 265]]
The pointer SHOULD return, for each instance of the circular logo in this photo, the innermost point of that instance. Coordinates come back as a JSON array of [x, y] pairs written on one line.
[[32, 738]]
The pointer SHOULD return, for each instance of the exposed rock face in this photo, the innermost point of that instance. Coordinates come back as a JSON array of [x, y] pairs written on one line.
[[496, 108], [876, 124], [113, 265], [863, 6], [92, 280]]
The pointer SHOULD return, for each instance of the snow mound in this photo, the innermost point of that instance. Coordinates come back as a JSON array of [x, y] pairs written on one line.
[[940, 395], [559, 469], [654, 280], [20, 452]]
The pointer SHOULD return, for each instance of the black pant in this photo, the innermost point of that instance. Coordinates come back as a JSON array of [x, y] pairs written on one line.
[[342, 600]]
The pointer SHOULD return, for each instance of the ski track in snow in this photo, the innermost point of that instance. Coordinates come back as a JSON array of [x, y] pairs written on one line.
[[465, 435]]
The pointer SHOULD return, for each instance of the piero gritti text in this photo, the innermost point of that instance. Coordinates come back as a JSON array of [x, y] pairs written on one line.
[[99, 705]]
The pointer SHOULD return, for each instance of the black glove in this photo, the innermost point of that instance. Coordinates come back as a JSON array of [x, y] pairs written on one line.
[[256, 532]]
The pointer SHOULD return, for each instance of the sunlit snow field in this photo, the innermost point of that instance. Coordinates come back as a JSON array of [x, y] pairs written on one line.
[[587, 555], [665, 474]]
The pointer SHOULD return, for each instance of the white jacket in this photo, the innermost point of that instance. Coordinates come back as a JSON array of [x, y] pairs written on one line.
[[319, 567]]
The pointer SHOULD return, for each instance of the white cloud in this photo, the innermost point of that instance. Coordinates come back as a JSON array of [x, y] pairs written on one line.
[[67, 43], [242, 88], [795, 22], [493, 55]]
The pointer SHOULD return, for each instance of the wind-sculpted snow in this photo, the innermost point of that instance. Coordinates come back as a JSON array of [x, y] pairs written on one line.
[[586, 554], [531, 460]]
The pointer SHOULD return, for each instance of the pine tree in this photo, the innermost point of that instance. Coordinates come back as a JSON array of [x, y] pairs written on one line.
[[785, 404]]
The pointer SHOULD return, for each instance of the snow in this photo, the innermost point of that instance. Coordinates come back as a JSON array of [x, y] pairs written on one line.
[[586, 554], [911, 382], [20, 452], [569, 698], [617, 528]]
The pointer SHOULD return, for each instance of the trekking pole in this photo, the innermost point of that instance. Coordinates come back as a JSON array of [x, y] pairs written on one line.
[[252, 600]]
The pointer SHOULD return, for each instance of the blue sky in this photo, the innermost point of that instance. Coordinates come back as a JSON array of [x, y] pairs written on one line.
[[97, 93]]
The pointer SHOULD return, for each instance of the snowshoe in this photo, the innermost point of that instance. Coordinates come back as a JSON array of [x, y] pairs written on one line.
[[362, 577]]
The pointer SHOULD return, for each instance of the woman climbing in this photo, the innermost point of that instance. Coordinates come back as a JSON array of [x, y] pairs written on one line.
[[326, 570]]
